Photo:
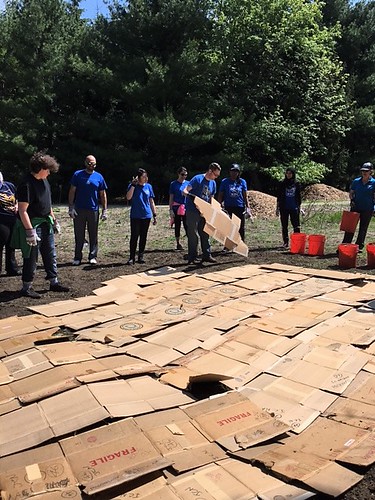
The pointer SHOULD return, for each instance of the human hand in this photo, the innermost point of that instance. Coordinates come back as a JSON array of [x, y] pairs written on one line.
[[302, 212], [104, 215], [171, 213], [72, 212], [277, 212], [248, 214], [31, 237], [154, 220], [134, 181], [56, 227]]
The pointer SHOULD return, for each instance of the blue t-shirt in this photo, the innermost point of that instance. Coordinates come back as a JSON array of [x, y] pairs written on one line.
[[290, 197], [202, 188], [233, 191], [141, 208], [176, 188], [363, 194], [88, 187]]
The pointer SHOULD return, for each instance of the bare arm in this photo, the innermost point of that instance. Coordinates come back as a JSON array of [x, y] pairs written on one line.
[[187, 189], [130, 192], [171, 198], [103, 199], [220, 197], [71, 195], [153, 207], [24, 216]]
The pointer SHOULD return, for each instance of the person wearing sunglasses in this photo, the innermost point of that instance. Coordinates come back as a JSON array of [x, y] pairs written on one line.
[[177, 204], [87, 189]]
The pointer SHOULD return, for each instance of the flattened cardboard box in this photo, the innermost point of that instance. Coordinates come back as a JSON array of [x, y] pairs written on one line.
[[72, 410], [137, 395], [42, 472], [234, 422], [26, 363], [111, 455], [22, 429], [175, 436]]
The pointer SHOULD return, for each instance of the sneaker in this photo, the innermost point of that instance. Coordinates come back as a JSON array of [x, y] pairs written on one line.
[[76, 262], [141, 260], [179, 247], [224, 250], [30, 293], [194, 262], [130, 262], [285, 245], [93, 262], [209, 258], [57, 287]]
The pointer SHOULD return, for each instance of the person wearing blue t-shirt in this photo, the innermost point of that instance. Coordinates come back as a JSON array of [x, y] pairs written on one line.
[[87, 188], [203, 186], [8, 217], [233, 195], [362, 195], [143, 209], [289, 204], [177, 204]]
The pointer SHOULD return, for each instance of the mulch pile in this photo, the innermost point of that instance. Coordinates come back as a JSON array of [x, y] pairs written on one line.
[[263, 206]]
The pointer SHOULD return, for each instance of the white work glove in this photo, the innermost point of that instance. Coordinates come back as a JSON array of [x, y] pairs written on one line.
[[302, 212], [248, 214], [72, 213], [31, 237], [56, 227], [171, 213], [104, 215]]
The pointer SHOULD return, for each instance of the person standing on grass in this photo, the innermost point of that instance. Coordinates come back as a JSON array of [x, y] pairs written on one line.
[[35, 228], [8, 217], [143, 209], [203, 186], [87, 188], [362, 194], [289, 204], [233, 195], [177, 204]]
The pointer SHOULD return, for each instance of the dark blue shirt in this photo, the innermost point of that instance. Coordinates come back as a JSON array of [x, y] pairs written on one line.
[[176, 189], [88, 187], [202, 188], [141, 208], [363, 194], [233, 191]]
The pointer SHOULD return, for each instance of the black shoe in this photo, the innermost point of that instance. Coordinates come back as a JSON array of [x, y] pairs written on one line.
[[194, 262], [141, 260], [57, 287], [179, 247], [30, 293], [130, 262], [209, 259]]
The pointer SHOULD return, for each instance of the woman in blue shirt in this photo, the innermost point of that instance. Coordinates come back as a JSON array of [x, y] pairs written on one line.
[[143, 208], [233, 194], [177, 201], [361, 194], [289, 204]]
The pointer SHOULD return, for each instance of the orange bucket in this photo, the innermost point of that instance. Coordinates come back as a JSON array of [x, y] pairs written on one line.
[[297, 243], [348, 255], [370, 247], [316, 244], [349, 221]]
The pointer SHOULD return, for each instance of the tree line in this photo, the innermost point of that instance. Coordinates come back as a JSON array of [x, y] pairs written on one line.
[[160, 84]]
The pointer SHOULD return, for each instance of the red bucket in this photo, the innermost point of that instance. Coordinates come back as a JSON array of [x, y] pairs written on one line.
[[348, 255], [297, 243], [370, 247], [316, 244], [349, 221]]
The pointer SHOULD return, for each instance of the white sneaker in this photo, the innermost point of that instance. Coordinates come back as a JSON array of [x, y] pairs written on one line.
[[93, 262], [76, 262]]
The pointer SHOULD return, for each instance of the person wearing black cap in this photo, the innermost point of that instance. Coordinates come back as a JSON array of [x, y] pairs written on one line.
[[289, 204], [233, 195], [362, 194]]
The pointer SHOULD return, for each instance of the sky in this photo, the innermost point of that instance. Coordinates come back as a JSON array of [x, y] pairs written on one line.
[[90, 7]]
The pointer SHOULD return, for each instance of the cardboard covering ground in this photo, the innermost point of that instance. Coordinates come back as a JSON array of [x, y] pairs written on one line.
[[99, 395]]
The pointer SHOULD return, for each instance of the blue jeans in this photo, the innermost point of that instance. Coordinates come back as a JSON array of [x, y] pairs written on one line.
[[195, 224], [46, 247]]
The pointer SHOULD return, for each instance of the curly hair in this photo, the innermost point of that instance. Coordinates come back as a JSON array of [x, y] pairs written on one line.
[[41, 161]]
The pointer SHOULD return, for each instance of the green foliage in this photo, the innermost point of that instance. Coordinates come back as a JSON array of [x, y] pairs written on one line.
[[307, 171]]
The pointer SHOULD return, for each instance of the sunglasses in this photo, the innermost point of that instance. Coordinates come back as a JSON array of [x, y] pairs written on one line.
[[184, 175]]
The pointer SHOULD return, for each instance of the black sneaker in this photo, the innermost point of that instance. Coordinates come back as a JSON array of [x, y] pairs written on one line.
[[179, 247], [30, 293], [57, 287], [194, 262], [209, 259], [141, 260], [130, 262]]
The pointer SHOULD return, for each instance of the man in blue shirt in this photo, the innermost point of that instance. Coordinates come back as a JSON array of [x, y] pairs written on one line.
[[362, 199], [203, 186], [87, 187]]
